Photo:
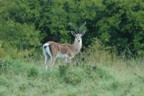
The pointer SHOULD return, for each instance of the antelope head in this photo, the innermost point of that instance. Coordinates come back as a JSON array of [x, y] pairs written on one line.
[[78, 33]]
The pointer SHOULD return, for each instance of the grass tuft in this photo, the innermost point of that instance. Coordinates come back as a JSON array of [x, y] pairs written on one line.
[[33, 72]]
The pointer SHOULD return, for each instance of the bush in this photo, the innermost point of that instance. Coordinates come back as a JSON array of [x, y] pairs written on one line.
[[33, 72], [17, 38], [3, 80], [72, 75], [5, 65], [98, 72]]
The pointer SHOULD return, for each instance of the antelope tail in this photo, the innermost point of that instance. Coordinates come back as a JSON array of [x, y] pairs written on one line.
[[46, 50]]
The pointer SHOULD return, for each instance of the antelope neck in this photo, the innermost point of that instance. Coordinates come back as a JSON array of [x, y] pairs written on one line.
[[77, 46]]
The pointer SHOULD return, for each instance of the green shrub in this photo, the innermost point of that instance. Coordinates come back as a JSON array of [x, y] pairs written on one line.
[[97, 72], [2, 53], [74, 75], [5, 65], [3, 80], [62, 70], [33, 72]]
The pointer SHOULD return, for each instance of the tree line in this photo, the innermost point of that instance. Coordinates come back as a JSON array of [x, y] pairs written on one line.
[[26, 24]]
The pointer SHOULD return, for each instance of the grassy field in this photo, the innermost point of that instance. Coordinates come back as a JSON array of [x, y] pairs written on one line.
[[116, 78]]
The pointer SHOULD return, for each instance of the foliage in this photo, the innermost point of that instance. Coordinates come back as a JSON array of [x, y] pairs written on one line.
[[24, 24], [72, 76], [33, 72], [4, 65], [123, 25]]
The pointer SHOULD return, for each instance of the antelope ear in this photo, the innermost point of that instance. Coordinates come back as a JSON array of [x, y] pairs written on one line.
[[73, 33], [83, 33]]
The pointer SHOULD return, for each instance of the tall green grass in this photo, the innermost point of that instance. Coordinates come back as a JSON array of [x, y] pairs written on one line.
[[96, 72], [18, 78]]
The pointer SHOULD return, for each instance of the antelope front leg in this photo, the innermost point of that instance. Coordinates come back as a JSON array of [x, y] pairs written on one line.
[[68, 60]]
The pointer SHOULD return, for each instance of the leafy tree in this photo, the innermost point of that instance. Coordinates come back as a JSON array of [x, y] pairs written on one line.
[[116, 23], [122, 24], [15, 36]]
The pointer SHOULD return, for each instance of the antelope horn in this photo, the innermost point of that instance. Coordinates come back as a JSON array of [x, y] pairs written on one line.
[[81, 27], [75, 29]]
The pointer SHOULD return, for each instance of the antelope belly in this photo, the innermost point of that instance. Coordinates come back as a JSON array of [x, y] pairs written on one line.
[[60, 55]]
